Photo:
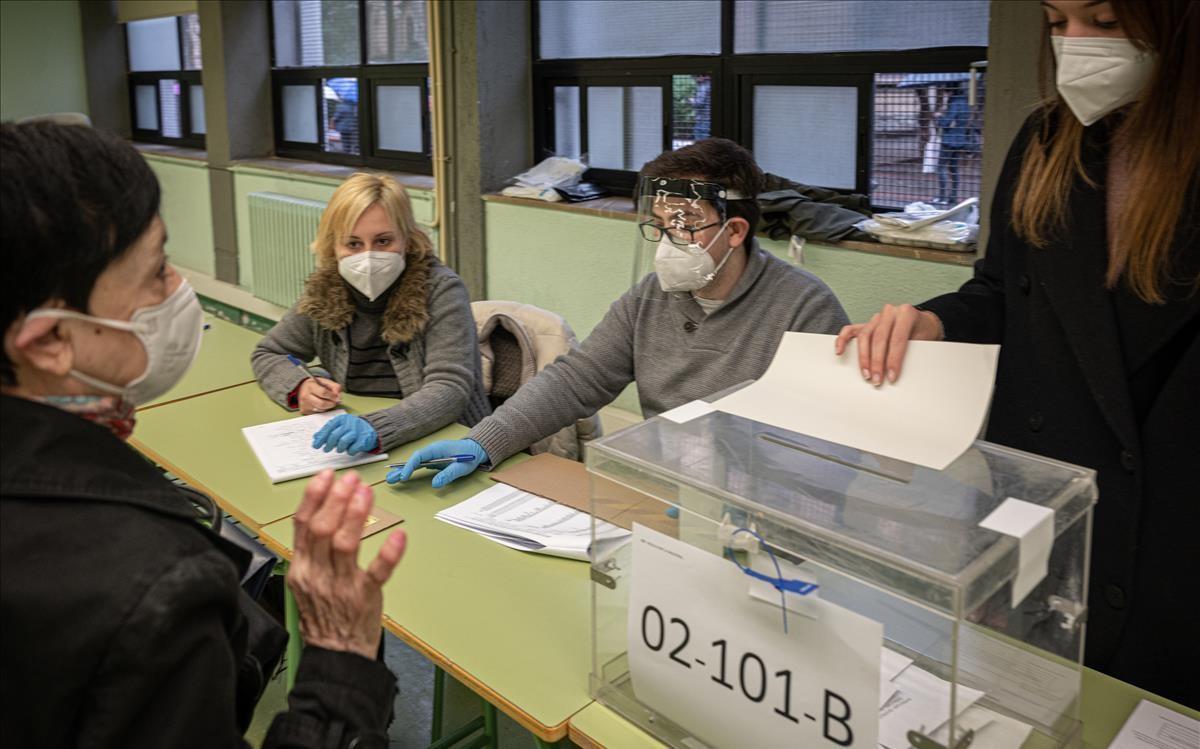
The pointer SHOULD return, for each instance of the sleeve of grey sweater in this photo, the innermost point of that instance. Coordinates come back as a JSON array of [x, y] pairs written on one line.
[[294, 334], [451, 352], [575, 385], [819, 311]]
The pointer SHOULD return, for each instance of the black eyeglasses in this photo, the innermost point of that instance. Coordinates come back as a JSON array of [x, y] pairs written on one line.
[[677, 235]]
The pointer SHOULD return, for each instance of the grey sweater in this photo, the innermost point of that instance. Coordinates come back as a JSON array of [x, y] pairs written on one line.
[[432, 349], [665, 343]]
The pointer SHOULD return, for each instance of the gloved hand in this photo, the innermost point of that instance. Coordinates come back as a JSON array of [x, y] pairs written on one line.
[[346, 433], [443, 449]]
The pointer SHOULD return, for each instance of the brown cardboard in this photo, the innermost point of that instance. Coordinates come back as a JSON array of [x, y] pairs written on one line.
[[569, 483], [378, 519]]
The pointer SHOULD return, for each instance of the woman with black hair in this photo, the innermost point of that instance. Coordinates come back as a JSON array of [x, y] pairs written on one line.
[[122, 620]]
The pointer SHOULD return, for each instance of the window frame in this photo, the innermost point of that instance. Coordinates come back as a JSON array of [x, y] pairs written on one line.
[[369, 77], [733, 79], [187, 79]]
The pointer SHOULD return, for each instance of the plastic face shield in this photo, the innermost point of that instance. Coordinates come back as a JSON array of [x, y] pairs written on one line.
[[684, 213]]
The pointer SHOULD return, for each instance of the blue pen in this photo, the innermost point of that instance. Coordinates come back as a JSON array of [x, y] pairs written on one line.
[[438, 462], [304, 369]]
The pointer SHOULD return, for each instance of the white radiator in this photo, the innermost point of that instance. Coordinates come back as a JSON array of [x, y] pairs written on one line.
[[281, 229]]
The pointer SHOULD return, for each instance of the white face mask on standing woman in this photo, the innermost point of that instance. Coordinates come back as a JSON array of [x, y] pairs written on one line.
[[372, 272], [1097, 75], [169, 331]]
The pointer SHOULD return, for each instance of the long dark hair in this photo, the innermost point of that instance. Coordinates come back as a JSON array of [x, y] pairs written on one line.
[[1159, 133]]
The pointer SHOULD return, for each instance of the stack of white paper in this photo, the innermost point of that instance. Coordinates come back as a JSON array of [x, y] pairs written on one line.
[[285, 448], [525, 521]]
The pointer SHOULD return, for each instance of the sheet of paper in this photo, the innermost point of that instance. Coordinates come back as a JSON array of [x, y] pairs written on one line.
[[1033, 527], [922, 704], [285, 448], [1152, 726], [528, 522], [1016, 678], [712, 658], [929, 417], [688, 411]]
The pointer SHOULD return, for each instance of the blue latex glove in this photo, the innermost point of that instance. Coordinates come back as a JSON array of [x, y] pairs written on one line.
[[346, 433], [443, 449]]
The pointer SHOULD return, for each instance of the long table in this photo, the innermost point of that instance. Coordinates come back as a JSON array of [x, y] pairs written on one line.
[[223, 362], [510, 625]]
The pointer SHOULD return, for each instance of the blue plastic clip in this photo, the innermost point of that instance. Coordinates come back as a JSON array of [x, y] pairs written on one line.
[[784, 586]]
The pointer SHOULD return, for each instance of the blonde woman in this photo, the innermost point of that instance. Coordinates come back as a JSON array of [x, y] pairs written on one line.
[[1090, 283], [385, 318]]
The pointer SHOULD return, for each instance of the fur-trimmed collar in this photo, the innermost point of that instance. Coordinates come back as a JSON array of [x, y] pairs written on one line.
[[327, 300]]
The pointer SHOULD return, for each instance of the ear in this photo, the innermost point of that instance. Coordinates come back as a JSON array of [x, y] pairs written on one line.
[[738, 230], [39, 343]]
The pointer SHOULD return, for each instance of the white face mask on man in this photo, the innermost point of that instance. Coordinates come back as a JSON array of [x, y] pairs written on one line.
[[372, 272], [687, 268], [169, 331], [1097, 75]]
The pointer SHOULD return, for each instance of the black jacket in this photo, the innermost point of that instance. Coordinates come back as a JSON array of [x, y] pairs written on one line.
[[120, 612], [1097, 378]]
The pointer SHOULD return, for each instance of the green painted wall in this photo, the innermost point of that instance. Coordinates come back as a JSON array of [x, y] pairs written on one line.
[[251, 179], [41, 58], [576, 265], [187, 211]]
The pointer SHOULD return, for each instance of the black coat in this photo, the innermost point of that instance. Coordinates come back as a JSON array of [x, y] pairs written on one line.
[[122, 619], [1097, 378]]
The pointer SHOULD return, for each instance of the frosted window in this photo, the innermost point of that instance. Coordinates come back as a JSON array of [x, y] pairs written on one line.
[[398, 118], [145, 108], [197, 105], [625, 126], [628, 28], [315, 32], [566, 121], [857, 25], [807, 133], [153, 44], [396, 31], [300, 114]]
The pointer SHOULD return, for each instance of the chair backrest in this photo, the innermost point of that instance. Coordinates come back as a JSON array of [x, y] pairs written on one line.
[[515, 342]]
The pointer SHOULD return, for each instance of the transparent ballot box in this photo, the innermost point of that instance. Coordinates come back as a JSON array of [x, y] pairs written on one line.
[[779, 590]]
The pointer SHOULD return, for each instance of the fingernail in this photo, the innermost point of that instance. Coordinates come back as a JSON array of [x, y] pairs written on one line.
[[866, 374], [876, 380], [891, 375]]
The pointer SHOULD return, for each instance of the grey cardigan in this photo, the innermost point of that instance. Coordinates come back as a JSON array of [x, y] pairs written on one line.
[[665, 343], [433, 349]]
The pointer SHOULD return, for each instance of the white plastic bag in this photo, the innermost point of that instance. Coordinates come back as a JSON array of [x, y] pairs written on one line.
[[933, 152]]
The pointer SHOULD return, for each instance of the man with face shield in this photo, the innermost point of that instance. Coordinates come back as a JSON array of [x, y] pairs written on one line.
[[122, 620], [710, 316]]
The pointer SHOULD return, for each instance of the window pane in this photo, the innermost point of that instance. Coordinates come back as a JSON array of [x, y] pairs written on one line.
[[691, 115], [315, 32], [300, 114], [857, 25], [398, 118], [190, 25], [628, 28], [396, 31], [625, 126], [146, 108], [807, 133], [927, 139], [153, 44], [197, 105], [341, 114], [168, 100], [566, 121]]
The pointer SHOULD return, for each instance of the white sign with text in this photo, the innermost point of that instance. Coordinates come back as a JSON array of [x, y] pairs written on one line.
[[713, 659]]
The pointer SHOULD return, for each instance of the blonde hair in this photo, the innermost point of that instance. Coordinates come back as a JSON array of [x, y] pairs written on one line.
[[358, 193]]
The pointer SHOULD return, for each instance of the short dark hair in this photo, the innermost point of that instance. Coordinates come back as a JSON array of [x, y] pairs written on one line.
[[717, 160], [72, 200]]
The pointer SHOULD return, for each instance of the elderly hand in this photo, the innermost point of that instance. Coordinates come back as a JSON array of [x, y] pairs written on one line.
[[339, 603], [883, 340], [317, 395], [346, 433]]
